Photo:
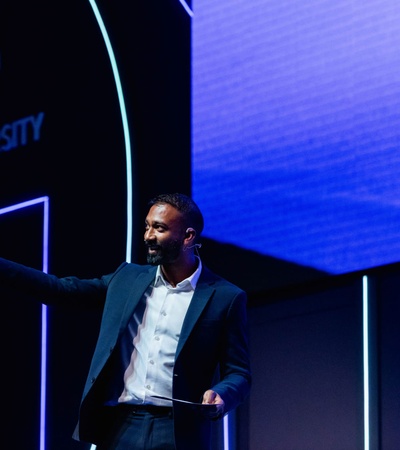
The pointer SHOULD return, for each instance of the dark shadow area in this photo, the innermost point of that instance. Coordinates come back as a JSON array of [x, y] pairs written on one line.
[[252, 271], [268, 280]]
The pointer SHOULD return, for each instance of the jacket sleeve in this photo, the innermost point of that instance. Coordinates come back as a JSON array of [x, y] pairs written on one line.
[[51, 290], [235, 374]]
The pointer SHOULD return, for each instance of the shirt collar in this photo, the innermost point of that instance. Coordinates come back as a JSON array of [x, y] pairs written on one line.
[[190, 281]]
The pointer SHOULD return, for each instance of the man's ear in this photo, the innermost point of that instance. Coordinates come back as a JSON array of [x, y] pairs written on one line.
[[190, 232]]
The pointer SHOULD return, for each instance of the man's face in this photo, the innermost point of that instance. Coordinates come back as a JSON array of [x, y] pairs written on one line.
[[163, 234]]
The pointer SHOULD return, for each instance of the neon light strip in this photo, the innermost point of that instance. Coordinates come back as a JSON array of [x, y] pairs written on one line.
[[43, 354], [226, 432], [126, 132], [366, 363], [21, 205], [124, 125], [43, 377], [186, 7]]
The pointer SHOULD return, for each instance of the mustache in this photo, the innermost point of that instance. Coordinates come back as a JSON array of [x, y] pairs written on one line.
[[152, 245]]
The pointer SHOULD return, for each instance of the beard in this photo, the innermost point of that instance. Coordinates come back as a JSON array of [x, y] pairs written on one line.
[[165, 254]]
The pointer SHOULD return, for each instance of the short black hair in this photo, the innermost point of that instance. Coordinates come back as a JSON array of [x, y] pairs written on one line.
[[191, 213]]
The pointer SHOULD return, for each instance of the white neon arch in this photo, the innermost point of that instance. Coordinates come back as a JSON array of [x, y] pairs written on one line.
[[128, 151], [128, 145]]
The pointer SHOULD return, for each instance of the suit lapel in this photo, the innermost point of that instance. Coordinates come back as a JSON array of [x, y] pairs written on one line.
[[136, 294], [201, 297]]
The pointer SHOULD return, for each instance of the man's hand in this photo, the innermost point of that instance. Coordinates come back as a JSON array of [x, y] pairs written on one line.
[[210, 397]]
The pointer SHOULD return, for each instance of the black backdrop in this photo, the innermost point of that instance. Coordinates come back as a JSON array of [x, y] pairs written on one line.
[[55, 66]]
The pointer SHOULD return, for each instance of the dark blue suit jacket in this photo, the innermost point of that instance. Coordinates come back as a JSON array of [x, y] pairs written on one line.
[[212, 351]]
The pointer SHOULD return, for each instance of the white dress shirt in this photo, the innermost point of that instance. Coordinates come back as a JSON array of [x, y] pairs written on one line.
[[150, 370]]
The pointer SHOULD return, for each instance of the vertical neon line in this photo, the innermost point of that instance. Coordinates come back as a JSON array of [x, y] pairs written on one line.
[[366, 362], [124, 125], [226, 432], [43, 369], [43, 352]]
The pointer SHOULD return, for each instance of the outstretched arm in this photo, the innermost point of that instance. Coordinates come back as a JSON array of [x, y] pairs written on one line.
[[49, 289]]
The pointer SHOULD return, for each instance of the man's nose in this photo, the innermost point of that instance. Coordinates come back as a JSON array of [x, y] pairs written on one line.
[[148, 235]]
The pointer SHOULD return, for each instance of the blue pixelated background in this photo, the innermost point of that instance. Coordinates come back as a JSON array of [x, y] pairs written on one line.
[[295, 128]]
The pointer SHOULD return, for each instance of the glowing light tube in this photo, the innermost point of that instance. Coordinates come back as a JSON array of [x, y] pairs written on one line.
[[43, 352], [125, 126], [366, 363]]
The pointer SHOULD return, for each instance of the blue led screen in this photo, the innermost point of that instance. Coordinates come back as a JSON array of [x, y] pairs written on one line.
[[295, 129]]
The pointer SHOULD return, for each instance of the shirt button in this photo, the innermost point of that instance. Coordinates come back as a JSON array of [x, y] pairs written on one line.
[[157, 338], [148, 386], [151, 361]]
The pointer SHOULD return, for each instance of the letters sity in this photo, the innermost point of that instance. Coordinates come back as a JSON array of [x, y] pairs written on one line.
[[19, 132]]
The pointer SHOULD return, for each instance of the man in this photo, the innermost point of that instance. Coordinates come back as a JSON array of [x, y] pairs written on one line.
[[171, 330]]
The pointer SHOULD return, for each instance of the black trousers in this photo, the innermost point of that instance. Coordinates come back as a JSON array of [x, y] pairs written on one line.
[[141, 428]]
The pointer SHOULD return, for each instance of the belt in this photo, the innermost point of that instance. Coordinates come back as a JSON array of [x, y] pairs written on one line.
[[150, 409]]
